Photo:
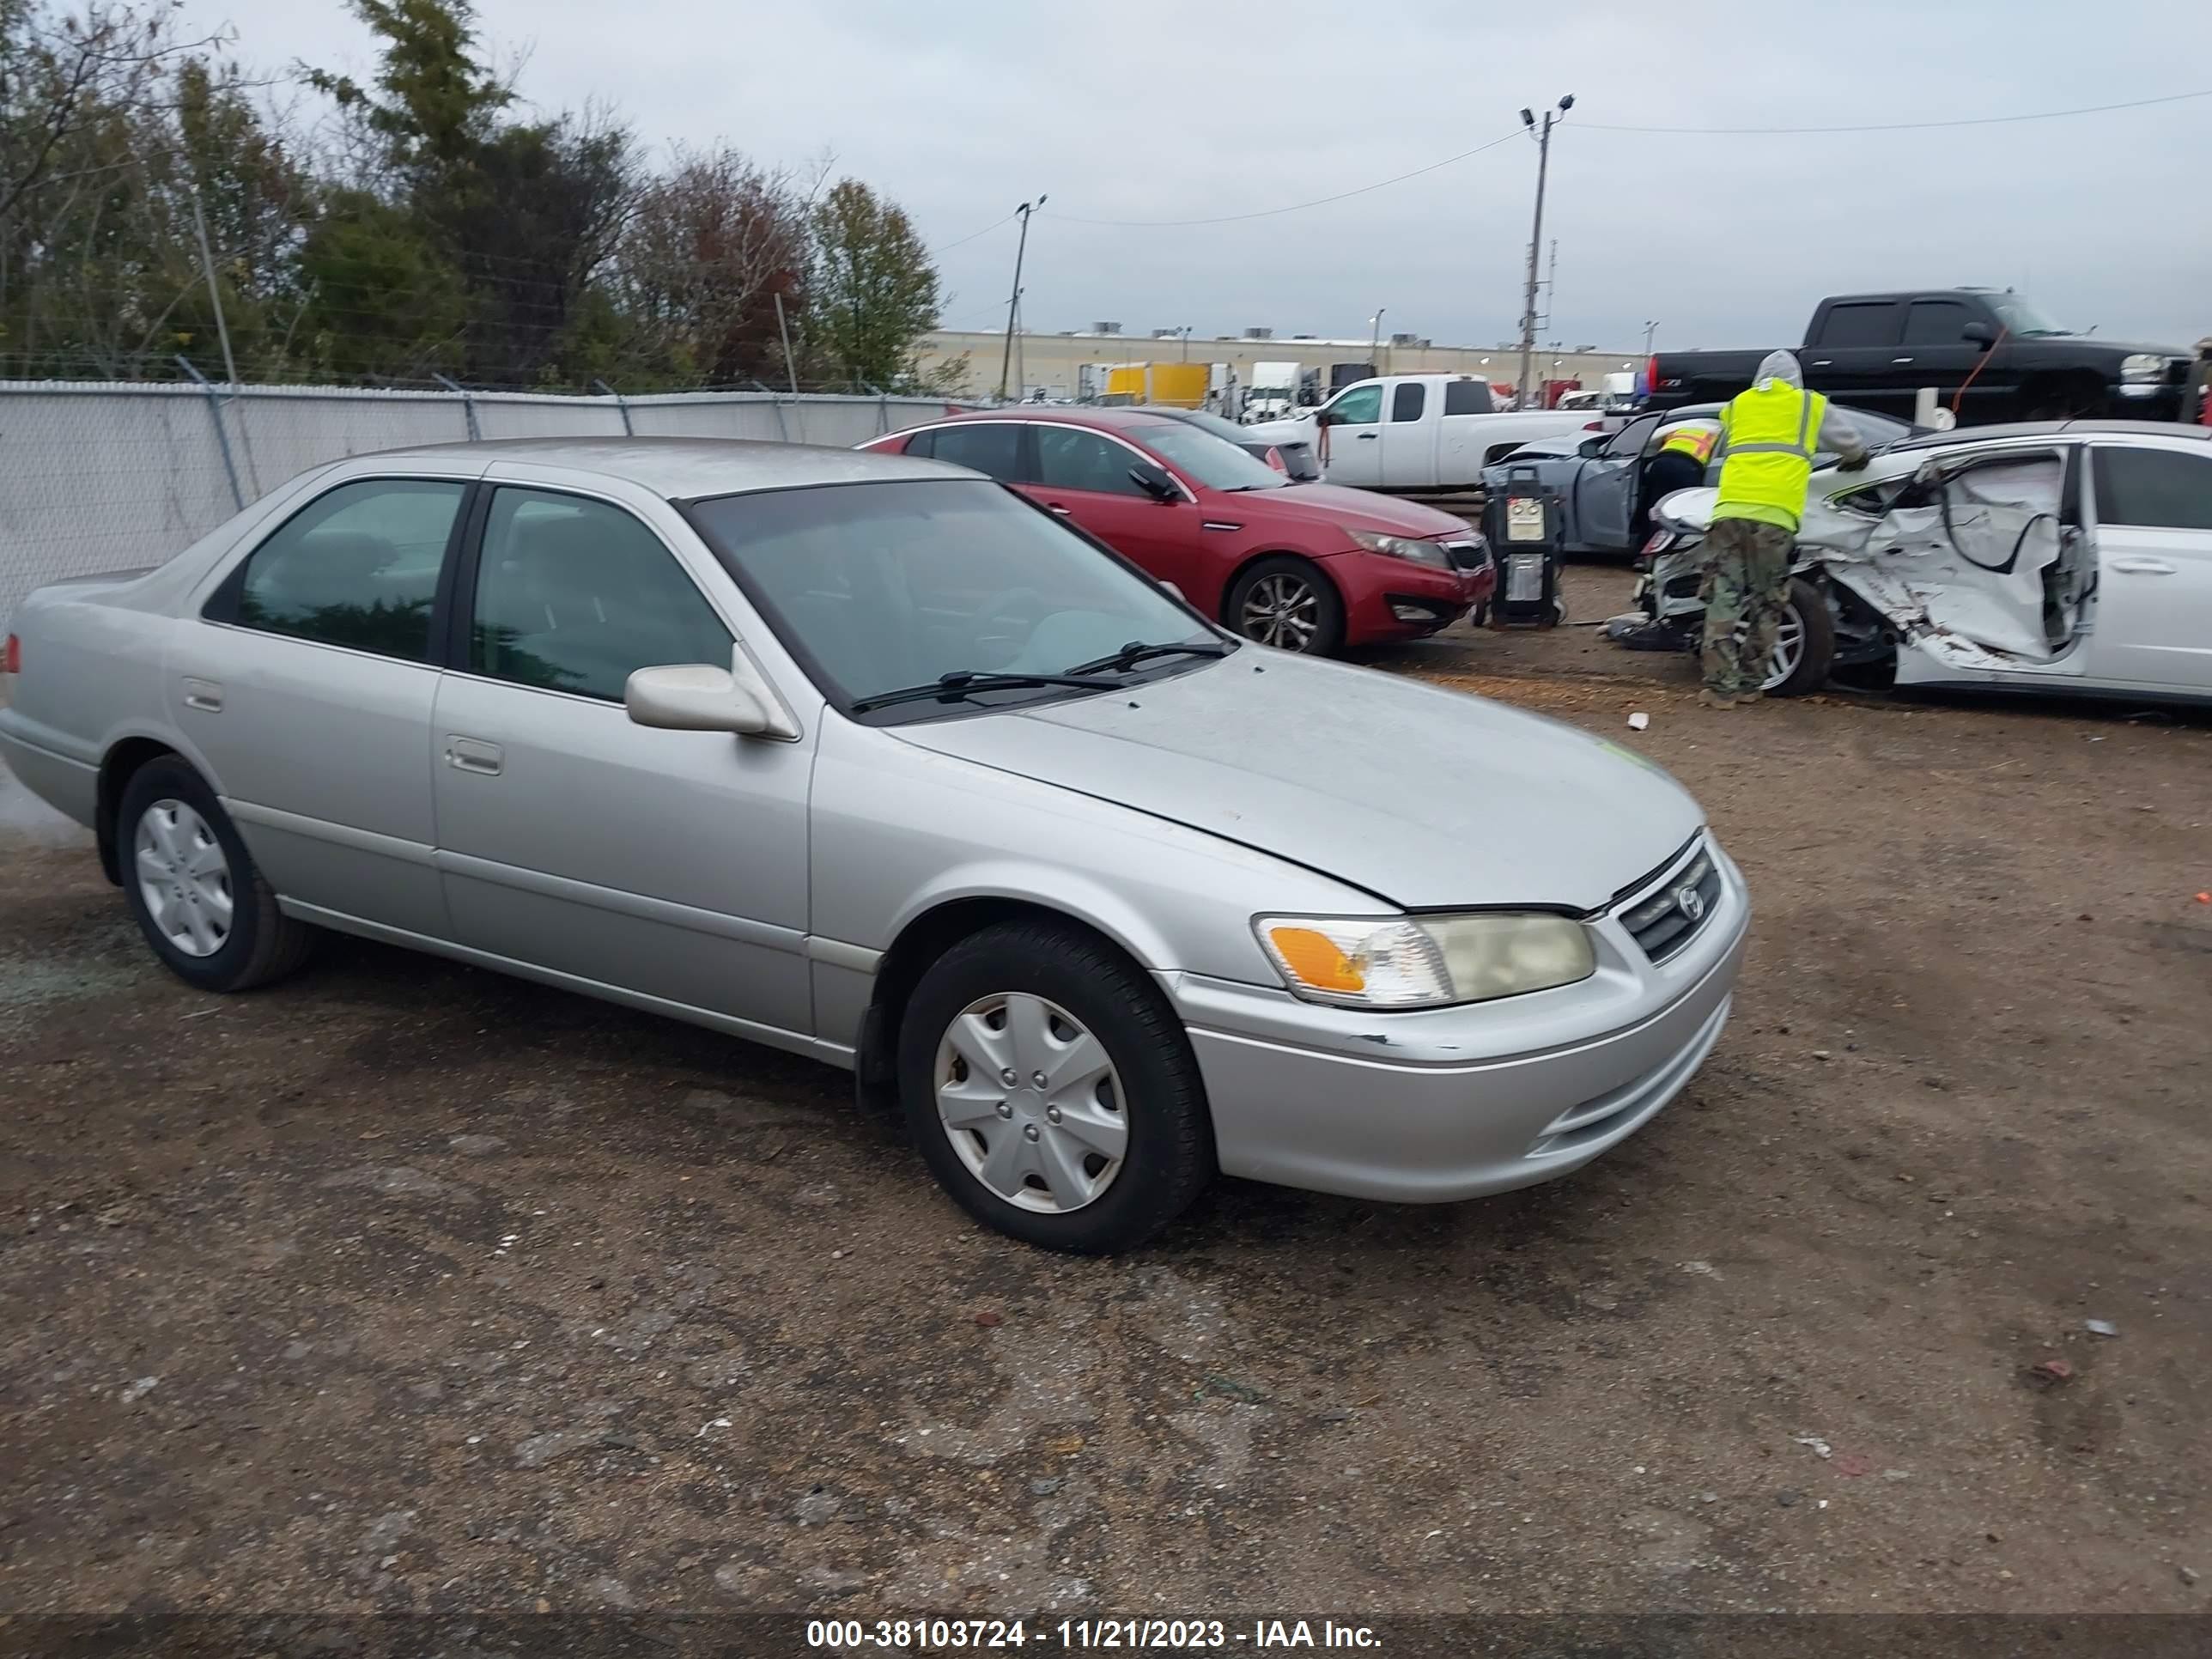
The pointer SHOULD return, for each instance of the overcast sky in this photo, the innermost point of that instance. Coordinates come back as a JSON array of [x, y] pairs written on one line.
[[1189, 109]]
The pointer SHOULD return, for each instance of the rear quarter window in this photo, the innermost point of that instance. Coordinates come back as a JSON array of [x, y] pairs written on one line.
[[1467, 397], [2156, 488]]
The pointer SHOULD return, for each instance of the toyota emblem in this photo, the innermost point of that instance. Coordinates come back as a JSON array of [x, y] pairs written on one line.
[[1690, 903]]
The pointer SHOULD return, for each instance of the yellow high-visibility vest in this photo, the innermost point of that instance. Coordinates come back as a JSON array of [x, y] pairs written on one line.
[[1772, 432], [1695, 441]]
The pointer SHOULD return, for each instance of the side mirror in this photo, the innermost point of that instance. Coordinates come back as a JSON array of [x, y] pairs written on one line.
[[693, 696], [1172, 588], [1592, 448], [1980, 334], [1324, 417], [1154, 483]]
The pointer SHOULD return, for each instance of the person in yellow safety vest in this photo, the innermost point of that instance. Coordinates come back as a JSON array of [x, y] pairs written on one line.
[[1679, 463], [1772, 432]]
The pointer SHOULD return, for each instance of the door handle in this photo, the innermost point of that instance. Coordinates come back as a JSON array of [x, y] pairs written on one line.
[[203, 695], [2143, 567], [1367, 437], [473, 754], [1822, 362], [1054, 507], [1900, 360]]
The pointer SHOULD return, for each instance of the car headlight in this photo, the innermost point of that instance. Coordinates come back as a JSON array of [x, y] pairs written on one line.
[[2143, 365], [1404, 547], [1425, 961]]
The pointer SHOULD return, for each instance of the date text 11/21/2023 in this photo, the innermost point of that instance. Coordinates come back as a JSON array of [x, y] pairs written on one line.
[[939, 1635]]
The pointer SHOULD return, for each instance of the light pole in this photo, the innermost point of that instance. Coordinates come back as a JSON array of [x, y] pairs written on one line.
[[1374, 345], [1185, 331], [1536, 239], [1650, 329], [1014, 300]]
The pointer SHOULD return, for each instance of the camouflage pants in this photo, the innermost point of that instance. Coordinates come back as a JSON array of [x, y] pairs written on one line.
[[1747, 578]]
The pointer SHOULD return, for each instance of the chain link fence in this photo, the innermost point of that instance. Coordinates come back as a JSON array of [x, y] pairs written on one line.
[[116, 476]]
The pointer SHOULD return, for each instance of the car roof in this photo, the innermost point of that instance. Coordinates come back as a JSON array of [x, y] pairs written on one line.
[[1110, 419], [683, 468], [2087, 428]]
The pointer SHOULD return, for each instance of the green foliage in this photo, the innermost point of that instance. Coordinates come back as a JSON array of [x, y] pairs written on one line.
[[429, 233], [874, 290]]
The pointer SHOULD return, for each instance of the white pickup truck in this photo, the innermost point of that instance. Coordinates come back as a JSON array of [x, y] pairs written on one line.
[[1416, 432]]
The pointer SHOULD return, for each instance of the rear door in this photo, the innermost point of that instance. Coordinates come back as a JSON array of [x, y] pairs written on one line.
[[1409, 437], [1083, 477], [2152, 507], [1860, 354], [308, 690], [1353, 436]]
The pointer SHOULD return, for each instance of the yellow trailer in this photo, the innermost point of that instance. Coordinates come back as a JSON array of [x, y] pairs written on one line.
[[1180, 385]]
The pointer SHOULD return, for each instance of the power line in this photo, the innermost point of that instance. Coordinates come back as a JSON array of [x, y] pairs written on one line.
[[1913, 126], [1295, 207], [986, 231]]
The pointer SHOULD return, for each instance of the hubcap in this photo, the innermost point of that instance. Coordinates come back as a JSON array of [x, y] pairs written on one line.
[[1282, 611], [1030, 1103], [184, 877], [1788, 648]]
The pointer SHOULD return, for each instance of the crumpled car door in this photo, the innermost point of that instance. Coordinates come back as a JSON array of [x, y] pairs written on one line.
[[1983, 565]]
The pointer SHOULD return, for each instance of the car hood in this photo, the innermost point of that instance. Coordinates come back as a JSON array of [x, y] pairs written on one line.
[[1425, 797], [1325, 504]]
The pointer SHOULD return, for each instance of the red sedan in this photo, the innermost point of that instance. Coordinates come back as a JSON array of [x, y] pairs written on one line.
[[1304, 566]]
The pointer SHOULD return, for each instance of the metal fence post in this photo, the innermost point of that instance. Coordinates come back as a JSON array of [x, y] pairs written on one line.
[[221, 437], [468, 405], [628, 431]]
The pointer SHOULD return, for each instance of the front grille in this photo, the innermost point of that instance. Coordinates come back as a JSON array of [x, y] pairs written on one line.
[[1467, 555], [1667, 916]]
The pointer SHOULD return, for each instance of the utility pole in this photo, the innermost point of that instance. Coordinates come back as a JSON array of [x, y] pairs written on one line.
[[1536, 239], [1014, 300]]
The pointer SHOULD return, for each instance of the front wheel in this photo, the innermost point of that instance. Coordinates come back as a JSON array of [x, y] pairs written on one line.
[[1804, 643], [1289, 604], [1050, 1088]]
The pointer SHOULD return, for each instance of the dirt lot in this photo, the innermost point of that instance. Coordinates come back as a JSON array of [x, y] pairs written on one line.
[[404, 1286]]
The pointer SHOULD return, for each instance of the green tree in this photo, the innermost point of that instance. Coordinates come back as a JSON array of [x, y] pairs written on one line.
[[873, 291]]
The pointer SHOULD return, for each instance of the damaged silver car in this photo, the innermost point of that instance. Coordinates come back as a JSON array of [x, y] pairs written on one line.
[[2052, 557]]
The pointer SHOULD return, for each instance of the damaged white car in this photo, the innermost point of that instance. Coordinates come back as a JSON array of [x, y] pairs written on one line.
[[2053, 556]]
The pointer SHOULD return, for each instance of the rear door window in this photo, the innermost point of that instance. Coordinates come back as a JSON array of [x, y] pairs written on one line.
[[992, 448], [357, 567], [1406, 401], [2159, 488], [1870, 323]]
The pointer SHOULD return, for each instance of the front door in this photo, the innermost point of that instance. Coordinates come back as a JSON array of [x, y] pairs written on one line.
[[668, 864], [308, 690], [2153, 513], [1605, 490], [1943, 357], [1354, 436], [1084, 477]]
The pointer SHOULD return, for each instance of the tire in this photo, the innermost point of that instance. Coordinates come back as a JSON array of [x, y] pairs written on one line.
[[1054, 982], [1808, 608], [1307, 610], [170, 832]]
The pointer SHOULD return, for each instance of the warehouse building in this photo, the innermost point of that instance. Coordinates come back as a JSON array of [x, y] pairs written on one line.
[[1054, 365]]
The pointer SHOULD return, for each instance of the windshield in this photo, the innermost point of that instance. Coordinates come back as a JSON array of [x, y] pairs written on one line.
[[2021, 316], [1214, 462], [878, 586]]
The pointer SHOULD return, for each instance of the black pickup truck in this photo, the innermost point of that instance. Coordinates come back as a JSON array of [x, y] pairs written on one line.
[[1876, 351]]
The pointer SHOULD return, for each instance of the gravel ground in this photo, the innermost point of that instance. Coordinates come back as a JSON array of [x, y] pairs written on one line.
[[407, 1288]]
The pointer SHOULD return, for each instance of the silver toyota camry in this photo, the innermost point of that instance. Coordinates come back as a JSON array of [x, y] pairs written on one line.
[[868, 758]]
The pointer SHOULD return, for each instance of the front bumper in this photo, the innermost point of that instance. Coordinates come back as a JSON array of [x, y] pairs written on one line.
[[1452, 1104], [1391, 599]]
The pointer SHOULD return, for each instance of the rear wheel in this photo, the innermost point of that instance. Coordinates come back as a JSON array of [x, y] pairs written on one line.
[[198, 898], [1804, 643], [1052, 1091], [1287, 603]]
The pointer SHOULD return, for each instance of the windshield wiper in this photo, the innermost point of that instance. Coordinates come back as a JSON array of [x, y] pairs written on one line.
[[1136, 651], [964, 681]]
